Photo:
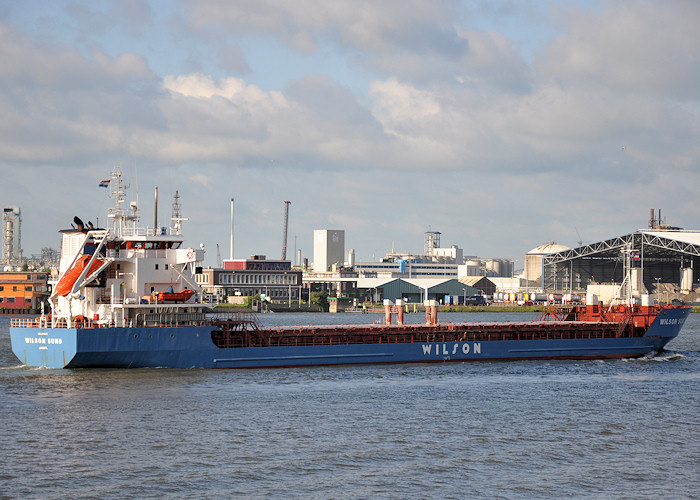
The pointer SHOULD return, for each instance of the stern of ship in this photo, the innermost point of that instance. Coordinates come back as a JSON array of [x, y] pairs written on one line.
[[43, 347]]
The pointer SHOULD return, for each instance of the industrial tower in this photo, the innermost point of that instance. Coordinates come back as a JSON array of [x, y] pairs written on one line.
[[284, 232], [11, 231], [432, 241]]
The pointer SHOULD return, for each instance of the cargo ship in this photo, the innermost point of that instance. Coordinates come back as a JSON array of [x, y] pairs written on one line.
[[127, 297]]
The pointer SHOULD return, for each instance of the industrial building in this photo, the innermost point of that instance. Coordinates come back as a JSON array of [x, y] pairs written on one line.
[[11, 234], [274, 279], [534, 258], [407, 268], [23, 292], [415, 291], [435, 262], [654, 259], [418, 290], [475, 266], [329, 249], [484, 285]]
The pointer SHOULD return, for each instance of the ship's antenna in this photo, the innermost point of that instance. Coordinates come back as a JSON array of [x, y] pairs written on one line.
[[136, 186], [118, 194], [118, 215], [176, 217]]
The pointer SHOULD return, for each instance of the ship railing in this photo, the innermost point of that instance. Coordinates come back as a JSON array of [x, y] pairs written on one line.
[[46, 322], [556, 313], [133, 231], [29, 323], [147, 231], [119, 299], [239, 317], [167, 319]]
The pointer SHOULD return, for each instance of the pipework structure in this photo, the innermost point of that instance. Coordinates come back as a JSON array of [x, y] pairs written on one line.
[[11, 234]]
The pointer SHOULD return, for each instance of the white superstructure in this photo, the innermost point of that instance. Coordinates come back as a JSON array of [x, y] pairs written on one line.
[[109, 276]]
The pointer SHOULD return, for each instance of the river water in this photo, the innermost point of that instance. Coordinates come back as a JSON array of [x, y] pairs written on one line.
[[524, 429]]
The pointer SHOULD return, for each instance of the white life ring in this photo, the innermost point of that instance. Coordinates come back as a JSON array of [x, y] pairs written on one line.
[[190, 254]]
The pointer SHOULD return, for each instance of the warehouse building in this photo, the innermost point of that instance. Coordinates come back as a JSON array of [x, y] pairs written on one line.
[[651, 258], [415, 291]]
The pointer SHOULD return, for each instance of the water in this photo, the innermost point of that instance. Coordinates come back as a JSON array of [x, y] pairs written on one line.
[[593, 429]]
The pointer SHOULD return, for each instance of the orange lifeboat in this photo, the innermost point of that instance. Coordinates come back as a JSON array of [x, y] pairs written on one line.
[[65, 284], [182, 296]]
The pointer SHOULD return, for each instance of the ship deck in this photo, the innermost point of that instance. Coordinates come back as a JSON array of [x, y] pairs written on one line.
[[237, 333]]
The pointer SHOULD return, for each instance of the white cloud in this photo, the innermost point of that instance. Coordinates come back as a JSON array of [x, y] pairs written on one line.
[[236, 90], [637, 46], [365, 24], [451, 117], [202, 179]]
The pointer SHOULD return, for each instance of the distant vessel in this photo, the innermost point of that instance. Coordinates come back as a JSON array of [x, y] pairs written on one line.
[[127, 297]]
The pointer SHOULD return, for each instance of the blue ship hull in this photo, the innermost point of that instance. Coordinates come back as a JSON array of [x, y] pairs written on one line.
[[192, 347]]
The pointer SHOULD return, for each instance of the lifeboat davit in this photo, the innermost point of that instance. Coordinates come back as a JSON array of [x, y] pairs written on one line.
[[65, 284], [182, 296]]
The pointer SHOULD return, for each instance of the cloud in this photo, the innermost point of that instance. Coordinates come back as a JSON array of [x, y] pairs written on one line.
[[202, 179], [56, 102], [233, 60], [410, 109], [365, 25], [637, 46]]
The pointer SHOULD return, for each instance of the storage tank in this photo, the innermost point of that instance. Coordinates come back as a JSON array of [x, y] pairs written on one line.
[[533, 259], [473, 268], [495, 266], [351, 257], [687, 280]]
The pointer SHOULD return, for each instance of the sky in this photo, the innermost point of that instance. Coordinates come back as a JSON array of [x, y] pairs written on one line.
[[501, 124]]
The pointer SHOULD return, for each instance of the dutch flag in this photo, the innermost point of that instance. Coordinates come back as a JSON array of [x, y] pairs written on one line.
[[104, 184]]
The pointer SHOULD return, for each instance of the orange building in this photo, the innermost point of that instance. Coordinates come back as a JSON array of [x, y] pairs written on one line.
[[23, 292]]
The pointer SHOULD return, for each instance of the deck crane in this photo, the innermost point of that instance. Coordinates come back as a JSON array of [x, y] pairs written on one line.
[[284, 232]]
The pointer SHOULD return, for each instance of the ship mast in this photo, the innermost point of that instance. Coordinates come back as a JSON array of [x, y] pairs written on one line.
[[119, 216], [177, 217]]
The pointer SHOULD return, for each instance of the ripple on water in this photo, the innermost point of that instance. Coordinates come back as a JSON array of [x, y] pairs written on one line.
[[512, 430]]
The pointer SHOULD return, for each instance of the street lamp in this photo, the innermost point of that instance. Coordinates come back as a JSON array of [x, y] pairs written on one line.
[[658, 295]]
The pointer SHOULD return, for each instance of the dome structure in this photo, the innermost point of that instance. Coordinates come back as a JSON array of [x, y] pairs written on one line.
[[548, 248], [533, 259]]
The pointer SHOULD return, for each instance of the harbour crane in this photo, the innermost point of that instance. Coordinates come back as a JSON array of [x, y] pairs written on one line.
[[284, 232]]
